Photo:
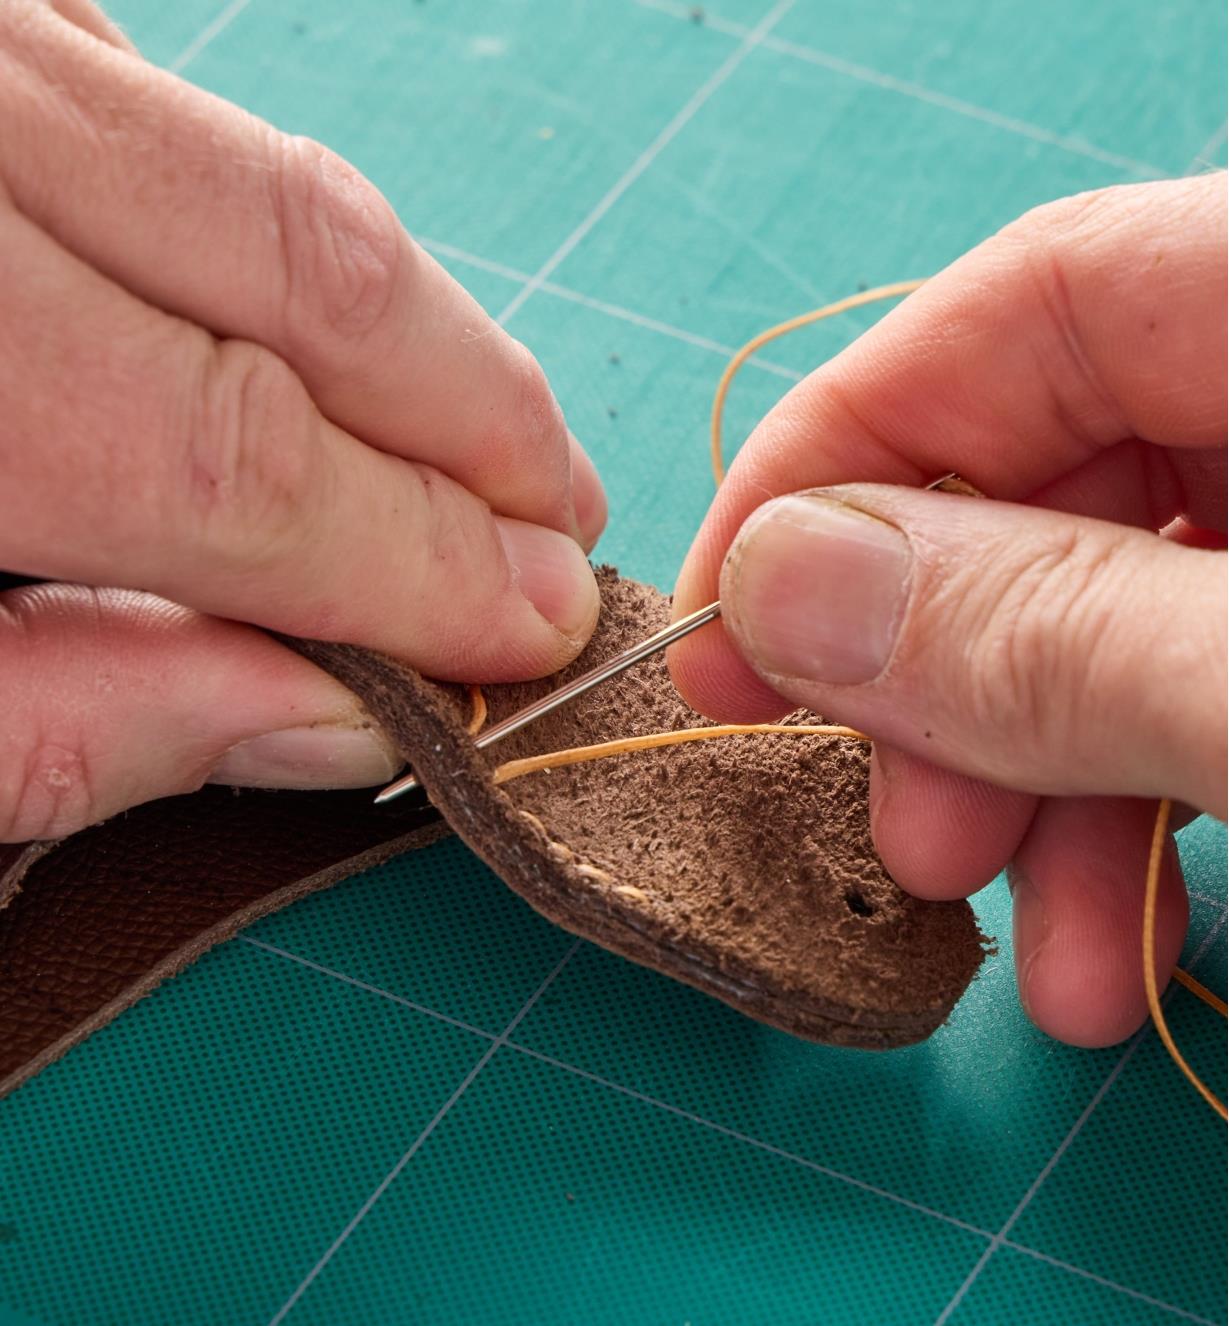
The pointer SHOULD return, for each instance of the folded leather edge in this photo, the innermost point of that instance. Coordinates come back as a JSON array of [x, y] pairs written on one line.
[[427, 729]]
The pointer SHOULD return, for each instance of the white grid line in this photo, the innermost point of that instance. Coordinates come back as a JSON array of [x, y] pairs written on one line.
[[628, 1091], [1048, 1168], [202, 39], [1210, 938], [462, 1087], [999, 1240], [370, 989], [1108, 1284], [1202, 160], [756, 1142], [610, 310], [601, 306], [960, 107], [650, 153], [917, 91]]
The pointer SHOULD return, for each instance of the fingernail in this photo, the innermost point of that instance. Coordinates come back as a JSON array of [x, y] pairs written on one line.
[[588, 496], [553, 574], [310, 757], [816, 590], [1030, 931], [880, 790]]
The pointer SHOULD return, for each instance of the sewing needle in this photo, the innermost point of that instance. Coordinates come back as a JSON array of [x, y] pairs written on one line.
[[585, 682]]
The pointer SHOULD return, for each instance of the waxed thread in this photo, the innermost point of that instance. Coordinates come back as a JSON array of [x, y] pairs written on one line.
[[1151, 890], [677, 737], [478, 713]]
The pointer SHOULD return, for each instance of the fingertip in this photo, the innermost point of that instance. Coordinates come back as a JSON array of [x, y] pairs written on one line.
[[1077, 888], [588, 496], [550, 570], [940, 834], [707, 667], [711, 676]]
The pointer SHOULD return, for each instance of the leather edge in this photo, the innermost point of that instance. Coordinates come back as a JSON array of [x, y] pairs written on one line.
[[15, 862], [205, 940]]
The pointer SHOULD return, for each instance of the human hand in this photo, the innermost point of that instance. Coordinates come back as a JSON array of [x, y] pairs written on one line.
[[233, 386], [1030, 666]]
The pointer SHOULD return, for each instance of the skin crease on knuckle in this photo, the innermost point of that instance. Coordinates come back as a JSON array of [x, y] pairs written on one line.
[[252, 468], [993, 624], [1022, 660], [349, 273], [455, 535], [1105, 267], [342, 250]]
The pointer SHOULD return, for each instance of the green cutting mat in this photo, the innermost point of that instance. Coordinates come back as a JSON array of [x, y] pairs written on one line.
[[411, 1100]]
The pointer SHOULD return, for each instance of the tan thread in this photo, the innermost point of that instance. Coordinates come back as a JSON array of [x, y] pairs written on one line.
[[1151, 890], [556, 759], [478, 714], [563, 853], [533, 819], [593, 872], [783, 329], [1200, 991]]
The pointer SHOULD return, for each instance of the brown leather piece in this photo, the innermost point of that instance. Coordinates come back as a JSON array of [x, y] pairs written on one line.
[[741, 866], [94, 922]]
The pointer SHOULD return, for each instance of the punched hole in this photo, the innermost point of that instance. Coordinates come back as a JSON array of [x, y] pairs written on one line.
[[857, 903]]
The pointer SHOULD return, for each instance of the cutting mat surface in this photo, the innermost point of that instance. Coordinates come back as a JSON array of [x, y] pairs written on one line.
[[411, 1099]]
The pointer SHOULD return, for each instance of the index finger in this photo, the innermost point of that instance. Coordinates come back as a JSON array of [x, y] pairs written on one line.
[[208, 213], [1087, 322]]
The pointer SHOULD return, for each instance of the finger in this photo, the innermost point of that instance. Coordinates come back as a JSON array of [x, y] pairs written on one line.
[[589, 496], [942, 835], [1035, 650], [1132, 483], [1078, 894], [1137, 484], [89, 18], [1083, 324], [291, 248], [113, 698], [202, 471], [1190, 536]]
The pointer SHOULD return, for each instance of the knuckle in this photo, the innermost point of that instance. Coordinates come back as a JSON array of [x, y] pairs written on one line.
[[1067, 223], [49, 791], [1055, 256], [1043, 642], [50, 782], [341, 246], [528, 427], [252, 457], [537, 412], [455, 535]]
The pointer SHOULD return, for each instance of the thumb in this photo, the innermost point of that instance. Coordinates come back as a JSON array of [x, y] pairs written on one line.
[[112, 698], [1040, 651]]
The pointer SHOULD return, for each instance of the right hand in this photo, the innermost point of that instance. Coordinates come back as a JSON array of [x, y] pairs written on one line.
[[1030, 667], [233, 388]]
